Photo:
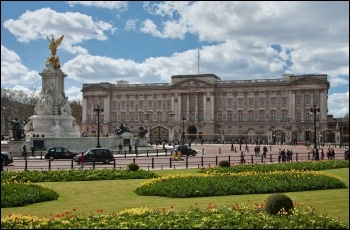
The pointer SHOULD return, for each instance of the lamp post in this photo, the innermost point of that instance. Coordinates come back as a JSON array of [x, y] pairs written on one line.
[[315, 112], [171, 117], [288, 128], [98, 110], [183, 129], [222, 132]]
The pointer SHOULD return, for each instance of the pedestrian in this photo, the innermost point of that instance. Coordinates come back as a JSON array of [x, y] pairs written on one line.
[[81, 160], [242, 158], [120, 148], [232, 147], [33, 151], [322, 154], [264, 151], [24, 151], [332, 154]]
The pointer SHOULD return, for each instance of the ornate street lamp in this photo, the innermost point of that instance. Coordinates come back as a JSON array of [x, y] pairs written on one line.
[[148, 115], [171, 120], [98, 110], [183, 129], [315, 112]]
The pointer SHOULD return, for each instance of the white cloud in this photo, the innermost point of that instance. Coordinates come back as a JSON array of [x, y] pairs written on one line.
[[76, 28], [338, 104], [117, 5], [13, 71]]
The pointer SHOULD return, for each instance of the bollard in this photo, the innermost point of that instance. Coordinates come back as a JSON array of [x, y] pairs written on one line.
[[252, 159], [93, 164], [216, 160], [219, 150], [296, 155], [50, 164], [25, 165], [202, 161], [186, 162], [262, 158], [170, 162], [235, 149], [114, 163], [71, 166], [147, 152], [134, 160], [308, 156], [202, 151], [157, 152], [41, 155], [270, 158], [152, 163], [229, 159]]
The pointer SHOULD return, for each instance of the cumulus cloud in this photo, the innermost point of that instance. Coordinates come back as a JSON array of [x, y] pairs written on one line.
[[13, 71], [117, 5], [76, 28]]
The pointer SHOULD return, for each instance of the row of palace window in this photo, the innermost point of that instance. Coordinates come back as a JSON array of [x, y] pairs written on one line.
[[122, 105], [164, 117]]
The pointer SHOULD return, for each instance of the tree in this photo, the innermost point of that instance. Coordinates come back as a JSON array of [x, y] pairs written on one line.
[[16, 104], [77, 111]]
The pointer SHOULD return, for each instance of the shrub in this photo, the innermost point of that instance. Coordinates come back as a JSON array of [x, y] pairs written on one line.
[[133, 167], [224, 164], [276, 201]]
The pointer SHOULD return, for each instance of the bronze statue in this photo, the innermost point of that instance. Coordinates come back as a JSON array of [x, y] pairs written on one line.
[[122, 129], [142, 131], [54, 44]]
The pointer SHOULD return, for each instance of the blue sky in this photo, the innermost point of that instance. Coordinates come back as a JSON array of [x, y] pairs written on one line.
[[148, 42]]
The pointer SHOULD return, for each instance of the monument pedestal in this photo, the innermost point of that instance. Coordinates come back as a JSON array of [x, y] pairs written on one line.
[[16, 147]]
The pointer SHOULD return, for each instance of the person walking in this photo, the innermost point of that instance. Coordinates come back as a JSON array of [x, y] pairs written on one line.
[[33, 151], [264, 151], [81, 161], [242, 157], [24, 151], [120, 148]]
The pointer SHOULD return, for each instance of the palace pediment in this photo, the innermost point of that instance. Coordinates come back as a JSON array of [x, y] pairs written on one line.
[[93, 88], [309, 80], [191, 83]]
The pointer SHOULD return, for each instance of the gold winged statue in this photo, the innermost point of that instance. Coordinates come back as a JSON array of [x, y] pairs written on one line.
[[54, 44]]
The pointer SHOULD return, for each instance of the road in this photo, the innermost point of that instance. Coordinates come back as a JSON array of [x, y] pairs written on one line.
[[208, 155]]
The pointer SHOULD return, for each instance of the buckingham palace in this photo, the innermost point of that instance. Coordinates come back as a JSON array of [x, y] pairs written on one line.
[[204, 107]]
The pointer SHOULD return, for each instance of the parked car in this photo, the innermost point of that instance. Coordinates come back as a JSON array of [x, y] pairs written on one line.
[[97, 155], [184, 149], [6, 158], [60, 153]]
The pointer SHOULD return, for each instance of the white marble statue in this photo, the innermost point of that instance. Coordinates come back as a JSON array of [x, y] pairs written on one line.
[[65, 107], [56, 127], [45, 104]]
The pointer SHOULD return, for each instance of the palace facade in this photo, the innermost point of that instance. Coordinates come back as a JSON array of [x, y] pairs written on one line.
[[205, 107]]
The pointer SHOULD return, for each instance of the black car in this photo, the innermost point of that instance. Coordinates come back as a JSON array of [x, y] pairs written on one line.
[[6, 158], [97, 155], [60, 153], [184, 149]]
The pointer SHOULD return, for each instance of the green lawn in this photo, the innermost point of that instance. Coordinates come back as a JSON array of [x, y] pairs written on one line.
[[115, 195]]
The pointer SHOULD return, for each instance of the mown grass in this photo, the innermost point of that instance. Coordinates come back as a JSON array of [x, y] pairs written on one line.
[[115, 195]]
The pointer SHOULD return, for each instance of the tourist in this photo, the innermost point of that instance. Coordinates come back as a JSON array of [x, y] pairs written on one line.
[[242, 158], [120, 148], [33, 151], [81, 160], [264, 151], [24, 151]]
